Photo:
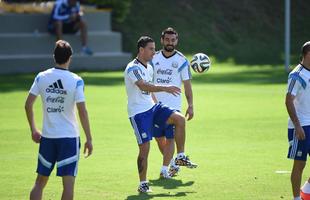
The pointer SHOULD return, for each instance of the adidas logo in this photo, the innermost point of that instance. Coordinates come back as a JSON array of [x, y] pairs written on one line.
[[57, 84], [56, 88]]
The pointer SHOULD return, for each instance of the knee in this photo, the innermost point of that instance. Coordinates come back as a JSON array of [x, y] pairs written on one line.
[[161, 141], [170, 141], [41, 181], [299, 167], [144, 150], [178, 119]]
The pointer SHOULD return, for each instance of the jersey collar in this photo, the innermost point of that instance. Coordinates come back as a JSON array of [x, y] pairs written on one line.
[[304, 67], [141, 63], [61, 68], [162, 53]]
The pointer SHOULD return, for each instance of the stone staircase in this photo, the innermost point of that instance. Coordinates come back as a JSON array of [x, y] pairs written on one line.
[[26, 46]]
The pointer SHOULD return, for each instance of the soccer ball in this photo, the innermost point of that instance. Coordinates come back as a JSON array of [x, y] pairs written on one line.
[[304, 196], [200, 63]]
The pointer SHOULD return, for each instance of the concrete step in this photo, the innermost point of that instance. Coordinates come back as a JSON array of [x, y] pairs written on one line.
[[29, 23], [43, 43], [34, 63]]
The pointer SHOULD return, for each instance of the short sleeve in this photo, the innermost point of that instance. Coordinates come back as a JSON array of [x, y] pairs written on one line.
[[295, 83], [185, 72], [134, 74], [35, 86], [57, 14], [79, 93]]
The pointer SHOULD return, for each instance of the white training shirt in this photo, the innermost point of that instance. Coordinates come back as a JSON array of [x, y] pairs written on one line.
[[170, 71], [60, 90], [298, 86], [138, 101]]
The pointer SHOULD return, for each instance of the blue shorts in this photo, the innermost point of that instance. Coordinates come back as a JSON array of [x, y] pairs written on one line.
[[143, 123], [64, 151], [298, 149], [161, 128], [166, 131]]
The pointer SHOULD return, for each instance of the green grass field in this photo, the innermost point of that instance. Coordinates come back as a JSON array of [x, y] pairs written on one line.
[[238, 138]]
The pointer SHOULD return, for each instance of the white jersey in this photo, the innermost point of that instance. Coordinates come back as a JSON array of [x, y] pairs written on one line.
[[60, 90], [298, 86], [170, 71], [138, 101]]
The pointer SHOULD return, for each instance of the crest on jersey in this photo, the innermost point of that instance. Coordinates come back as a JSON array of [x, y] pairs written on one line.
[[174, 64]]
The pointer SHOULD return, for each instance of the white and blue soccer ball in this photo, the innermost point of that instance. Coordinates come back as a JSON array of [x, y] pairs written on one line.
[[200, 63]]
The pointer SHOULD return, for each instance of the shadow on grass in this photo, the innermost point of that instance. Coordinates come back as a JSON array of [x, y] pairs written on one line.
[[23, 82], [166, 184], [151, 196], [170, 183]]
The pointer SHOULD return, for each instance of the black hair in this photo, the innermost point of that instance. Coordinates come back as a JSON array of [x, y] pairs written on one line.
[[305, 48], [62, 52], [143, 41], [169, 30]]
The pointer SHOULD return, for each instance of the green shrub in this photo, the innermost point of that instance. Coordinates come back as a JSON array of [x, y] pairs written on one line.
[[120, 8]]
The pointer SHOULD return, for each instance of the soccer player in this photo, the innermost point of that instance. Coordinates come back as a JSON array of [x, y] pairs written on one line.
[[171, 68], [60, 91], [298, 107], [66, 17], [142, 110]]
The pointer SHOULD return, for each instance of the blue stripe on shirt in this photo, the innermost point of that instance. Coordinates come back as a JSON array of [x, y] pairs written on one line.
[[79, 83], [37, 79], [185, 64], [137, 75], [134, 68], [295, 76]]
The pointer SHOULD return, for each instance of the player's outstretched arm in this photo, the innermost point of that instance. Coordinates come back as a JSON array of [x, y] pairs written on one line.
[[289, 102], [88, 146], [35, 133], [144, 86]]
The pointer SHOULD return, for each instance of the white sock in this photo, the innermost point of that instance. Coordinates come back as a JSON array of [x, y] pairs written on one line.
[[297, 198], [179, 155], [164, 168], [141, 182], [306, 187]]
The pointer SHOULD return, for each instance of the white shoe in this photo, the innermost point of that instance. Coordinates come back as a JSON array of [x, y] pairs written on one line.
[[174, 170], [144, 188], [165, 174]]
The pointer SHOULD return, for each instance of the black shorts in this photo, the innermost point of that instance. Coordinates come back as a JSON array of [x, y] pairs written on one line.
[[67, 27]]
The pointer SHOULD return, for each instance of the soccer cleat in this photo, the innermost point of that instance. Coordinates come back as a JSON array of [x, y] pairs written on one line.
[[174, 170], [165, 174], [184, 161], [144, 188]]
